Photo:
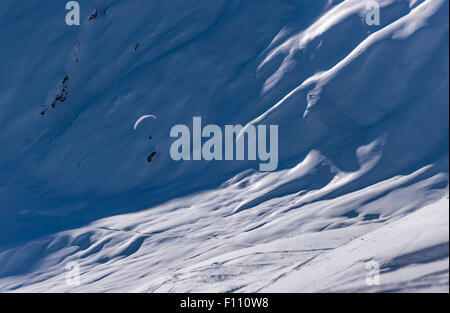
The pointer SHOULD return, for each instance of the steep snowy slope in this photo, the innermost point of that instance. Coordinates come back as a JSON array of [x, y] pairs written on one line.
[[362, 113]]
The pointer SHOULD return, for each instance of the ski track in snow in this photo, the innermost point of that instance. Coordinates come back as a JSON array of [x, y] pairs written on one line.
[[363, 171]]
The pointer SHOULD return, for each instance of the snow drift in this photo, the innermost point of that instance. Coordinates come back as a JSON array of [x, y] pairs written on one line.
[[363, 146]]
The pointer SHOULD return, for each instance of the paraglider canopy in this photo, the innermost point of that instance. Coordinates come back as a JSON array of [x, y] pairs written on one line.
[[143, 117]]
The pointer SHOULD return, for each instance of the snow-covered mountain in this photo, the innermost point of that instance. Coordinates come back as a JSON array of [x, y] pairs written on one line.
[[363, 164]]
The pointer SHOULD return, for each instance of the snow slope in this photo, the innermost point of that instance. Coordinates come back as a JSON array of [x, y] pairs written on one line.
[[363, 146]]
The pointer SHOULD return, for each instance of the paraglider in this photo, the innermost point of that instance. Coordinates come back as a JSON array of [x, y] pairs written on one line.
[[143, 117], [151, 155]]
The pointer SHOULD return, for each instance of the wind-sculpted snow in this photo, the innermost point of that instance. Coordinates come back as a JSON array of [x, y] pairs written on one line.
[[362, 113]]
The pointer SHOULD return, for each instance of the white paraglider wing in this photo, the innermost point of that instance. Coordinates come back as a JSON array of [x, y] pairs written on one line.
[[143, 117]]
